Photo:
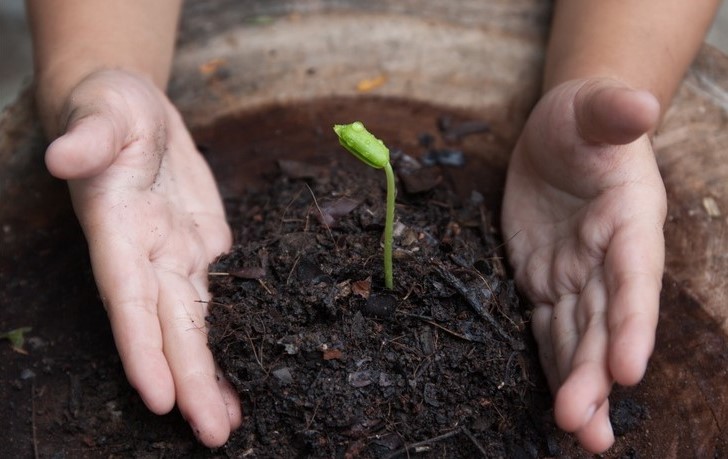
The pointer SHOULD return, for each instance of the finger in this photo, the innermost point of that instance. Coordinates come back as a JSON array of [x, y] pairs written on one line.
[[201, 193], [128, 287], [201, 196], [187, 248], [218, 236], [231, 399], [597, 436], [607, 112], [634, 266], [541, 326], [589, 382], [185, 344], [229, 395], [564, 333], [90, 144]]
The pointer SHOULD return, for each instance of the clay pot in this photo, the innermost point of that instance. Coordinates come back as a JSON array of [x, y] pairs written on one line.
[[300, 64]]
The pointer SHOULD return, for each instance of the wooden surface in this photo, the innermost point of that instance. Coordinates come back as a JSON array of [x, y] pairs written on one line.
[[483, 57], [692, 150], [480, 56]]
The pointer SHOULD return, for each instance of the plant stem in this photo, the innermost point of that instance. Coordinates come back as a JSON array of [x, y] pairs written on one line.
[[389, 227]]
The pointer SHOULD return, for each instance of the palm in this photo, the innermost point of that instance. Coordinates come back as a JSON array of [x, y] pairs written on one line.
[[583, 210], [153, 219]]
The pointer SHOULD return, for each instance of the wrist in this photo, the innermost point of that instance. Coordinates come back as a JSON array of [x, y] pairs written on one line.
[[74, 38], [620, 75], [53, 87], [645, 45], [55, 84]]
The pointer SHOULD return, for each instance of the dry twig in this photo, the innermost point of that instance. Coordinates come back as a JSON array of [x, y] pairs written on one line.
[[407, 448]]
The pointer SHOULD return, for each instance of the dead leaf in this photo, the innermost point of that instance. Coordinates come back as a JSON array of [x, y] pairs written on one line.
[[212, 66], [362, 287], [369, 84]]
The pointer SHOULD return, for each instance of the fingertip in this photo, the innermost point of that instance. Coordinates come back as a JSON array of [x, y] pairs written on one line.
[[208, 408], [212, 438], [597, 436], [210, 422], [232, 403], [579, 398], [235, 415], [88, 147], [139, 345], [636, 113], [152, 379], [633, 316], [647, 109], [628, 358], [567, 414], [158, 403], [610, 113]]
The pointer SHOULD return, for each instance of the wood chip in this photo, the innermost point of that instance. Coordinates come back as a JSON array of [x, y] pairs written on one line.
[[711, 207]]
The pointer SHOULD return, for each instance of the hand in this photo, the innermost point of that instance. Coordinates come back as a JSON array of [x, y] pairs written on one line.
[[583, 213], [153, 219]]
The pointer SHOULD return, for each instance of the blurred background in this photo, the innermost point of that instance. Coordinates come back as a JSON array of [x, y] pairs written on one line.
[[17, 65]]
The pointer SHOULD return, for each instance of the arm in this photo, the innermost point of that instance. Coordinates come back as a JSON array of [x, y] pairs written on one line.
[[74, 38], [584, 202], [644, 44], [144, 196]]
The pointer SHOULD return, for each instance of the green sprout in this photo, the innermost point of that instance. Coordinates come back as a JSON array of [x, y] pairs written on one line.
[[16, 338], [372, 151]]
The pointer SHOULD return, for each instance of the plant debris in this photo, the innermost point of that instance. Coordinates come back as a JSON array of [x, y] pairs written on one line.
[[16, 338], [330, 364]]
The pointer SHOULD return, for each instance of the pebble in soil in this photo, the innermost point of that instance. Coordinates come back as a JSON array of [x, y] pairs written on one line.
[[330, 364]]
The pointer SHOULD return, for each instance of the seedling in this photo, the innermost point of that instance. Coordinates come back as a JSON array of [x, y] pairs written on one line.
[[372, 151]]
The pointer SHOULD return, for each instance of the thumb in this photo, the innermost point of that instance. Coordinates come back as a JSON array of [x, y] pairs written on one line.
[[90, 144], [616, 115]]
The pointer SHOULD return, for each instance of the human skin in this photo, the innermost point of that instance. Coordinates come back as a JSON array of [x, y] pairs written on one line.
[[583, 208], [584, 202], [145, 198]]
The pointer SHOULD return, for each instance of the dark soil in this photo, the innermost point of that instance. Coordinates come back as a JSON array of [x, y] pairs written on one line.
[[330, 364], [421, 367]]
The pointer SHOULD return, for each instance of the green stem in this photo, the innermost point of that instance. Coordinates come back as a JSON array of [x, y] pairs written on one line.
[[389, 227]]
